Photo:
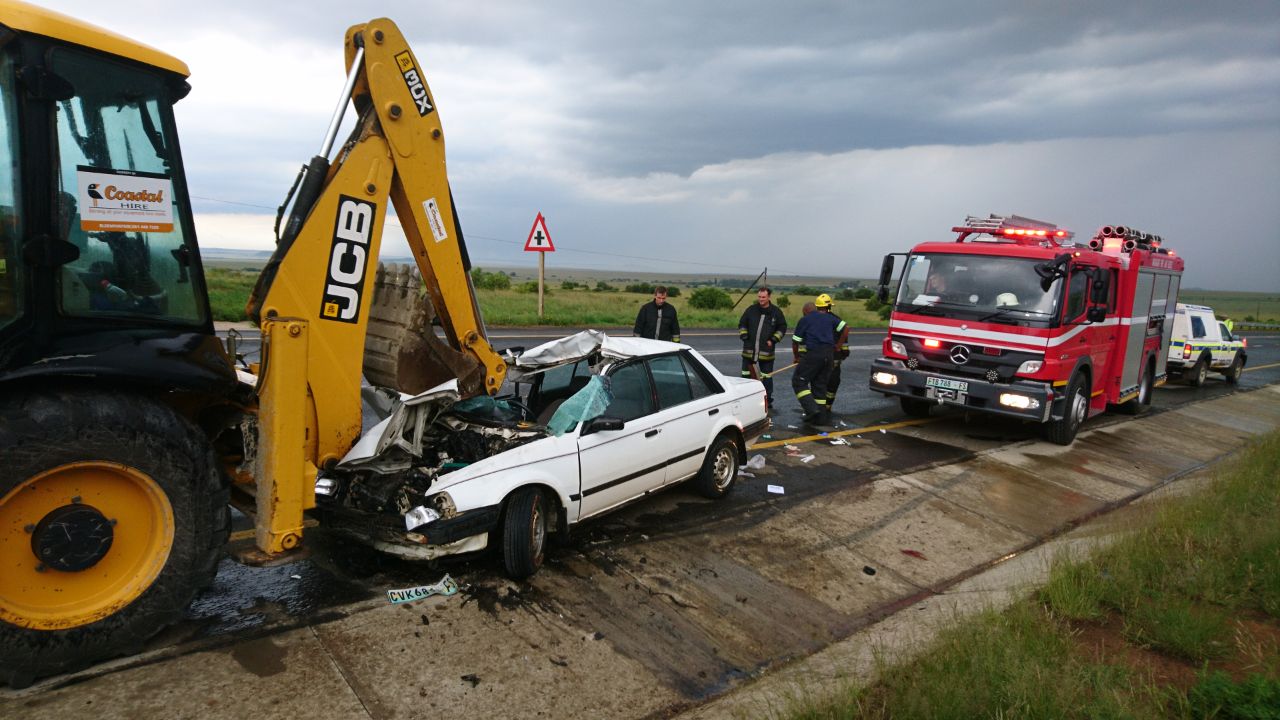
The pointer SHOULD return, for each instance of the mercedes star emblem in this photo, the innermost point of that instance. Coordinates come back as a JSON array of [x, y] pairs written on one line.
[[960, 354]]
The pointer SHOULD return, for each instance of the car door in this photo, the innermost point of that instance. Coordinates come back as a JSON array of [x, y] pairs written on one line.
[[686, 416], [618, 465], [1224, 353]]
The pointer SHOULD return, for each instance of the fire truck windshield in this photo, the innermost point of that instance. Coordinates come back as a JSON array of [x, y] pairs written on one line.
[[977, 287]]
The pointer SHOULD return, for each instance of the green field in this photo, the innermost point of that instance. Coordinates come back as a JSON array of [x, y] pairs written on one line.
[[1239, 306], [229, 289]]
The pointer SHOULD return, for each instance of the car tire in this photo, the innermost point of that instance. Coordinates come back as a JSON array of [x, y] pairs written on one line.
[[1233, 373], [123, 460], [1199, 372], [1063, 431], [524, 533], [1146, 386], [719, 469], [914, 407]]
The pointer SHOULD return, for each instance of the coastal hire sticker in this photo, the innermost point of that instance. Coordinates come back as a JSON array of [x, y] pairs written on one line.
[[124, 200]]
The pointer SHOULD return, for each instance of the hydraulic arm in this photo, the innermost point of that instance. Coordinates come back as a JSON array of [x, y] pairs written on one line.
[[312, 300]]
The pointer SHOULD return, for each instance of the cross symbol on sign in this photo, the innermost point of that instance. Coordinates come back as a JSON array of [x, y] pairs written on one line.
[[539, 239]]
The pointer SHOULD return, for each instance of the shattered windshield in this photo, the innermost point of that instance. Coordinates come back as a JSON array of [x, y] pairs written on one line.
[[978, 287]]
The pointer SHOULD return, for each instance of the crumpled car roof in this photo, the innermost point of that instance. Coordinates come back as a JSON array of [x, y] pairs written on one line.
[[573, 348]]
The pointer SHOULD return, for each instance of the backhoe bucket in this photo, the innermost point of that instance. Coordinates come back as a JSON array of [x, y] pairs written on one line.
[[401, 349]]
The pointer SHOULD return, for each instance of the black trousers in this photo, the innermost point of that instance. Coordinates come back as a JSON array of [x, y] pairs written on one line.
[[810, 380], [765, 362]]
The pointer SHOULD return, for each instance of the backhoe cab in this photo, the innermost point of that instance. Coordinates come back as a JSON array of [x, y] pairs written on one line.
[[124, 424]]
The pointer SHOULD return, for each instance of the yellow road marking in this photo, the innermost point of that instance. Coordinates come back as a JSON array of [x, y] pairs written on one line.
[[1261, 367], [842, 433]]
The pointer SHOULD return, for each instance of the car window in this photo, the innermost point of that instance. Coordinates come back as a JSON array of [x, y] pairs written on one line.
[[1197, 327], [557, 380], [1226, 334], [1077, 292], [670, 380], [632, 393], [700, 382]]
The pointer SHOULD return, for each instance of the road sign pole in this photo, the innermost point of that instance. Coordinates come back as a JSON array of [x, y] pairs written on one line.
[[542, 267]]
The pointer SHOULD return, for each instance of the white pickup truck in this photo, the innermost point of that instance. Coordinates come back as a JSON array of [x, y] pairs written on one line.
[[1201, 343]]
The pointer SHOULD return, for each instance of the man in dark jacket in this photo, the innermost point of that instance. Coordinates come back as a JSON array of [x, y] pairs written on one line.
[[761, 329], [657, 319], [813, 345]]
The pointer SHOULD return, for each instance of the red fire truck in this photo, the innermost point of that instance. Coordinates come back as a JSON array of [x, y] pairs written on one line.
[[1013, 318]]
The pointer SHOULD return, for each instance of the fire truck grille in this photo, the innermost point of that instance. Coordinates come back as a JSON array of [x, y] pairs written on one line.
[[994, 365]]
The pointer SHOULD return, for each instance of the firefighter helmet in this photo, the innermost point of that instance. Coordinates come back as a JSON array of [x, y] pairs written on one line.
[[823, 300]]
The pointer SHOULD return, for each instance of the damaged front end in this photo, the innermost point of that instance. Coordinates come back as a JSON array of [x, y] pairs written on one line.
[[382, 491]]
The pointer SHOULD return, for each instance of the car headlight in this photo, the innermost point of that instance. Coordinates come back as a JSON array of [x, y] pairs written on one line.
[[897, 347], [1029, 367], [884, 378], [418, 517], [1021, 402], [443, 504]]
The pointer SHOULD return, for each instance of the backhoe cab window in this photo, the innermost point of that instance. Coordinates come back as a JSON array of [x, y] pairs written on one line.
[[10, 228], [116, 203]]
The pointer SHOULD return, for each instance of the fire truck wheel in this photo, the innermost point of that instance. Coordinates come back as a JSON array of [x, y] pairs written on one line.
[[1063, 431], [1199, 372], [113, 514], [915, 408], [1234, 372], [1146, 386]]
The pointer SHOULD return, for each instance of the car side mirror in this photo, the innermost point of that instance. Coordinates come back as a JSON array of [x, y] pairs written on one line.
[[603, 422], [1096, 314]]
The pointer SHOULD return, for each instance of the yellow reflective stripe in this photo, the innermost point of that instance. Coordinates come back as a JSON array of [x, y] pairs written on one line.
[[841, 326], [797, 338], [802, 393]]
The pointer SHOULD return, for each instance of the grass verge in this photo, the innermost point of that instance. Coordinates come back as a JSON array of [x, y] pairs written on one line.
[[1180, 619]]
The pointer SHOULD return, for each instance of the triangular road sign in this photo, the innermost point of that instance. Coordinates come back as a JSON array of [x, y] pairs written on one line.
[[539, 239]]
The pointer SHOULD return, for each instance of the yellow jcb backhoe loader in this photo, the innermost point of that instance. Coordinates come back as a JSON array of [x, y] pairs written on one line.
[[125, 427]]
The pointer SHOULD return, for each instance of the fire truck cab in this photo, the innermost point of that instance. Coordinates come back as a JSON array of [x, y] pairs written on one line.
[[1013, 318]]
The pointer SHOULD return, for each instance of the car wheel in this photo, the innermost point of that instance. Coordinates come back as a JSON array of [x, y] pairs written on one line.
[[719, 469], [1063, 431], [524, 533], [1200, 372], [914, 407], [1234, 372]]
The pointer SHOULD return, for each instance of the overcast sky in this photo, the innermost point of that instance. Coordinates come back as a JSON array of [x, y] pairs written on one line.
[[809, 137]]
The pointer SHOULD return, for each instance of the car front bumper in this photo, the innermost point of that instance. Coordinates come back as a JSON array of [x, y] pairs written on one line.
[[978, 395]]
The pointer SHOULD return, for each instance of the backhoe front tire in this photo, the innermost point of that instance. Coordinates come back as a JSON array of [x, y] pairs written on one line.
[[113, 515]]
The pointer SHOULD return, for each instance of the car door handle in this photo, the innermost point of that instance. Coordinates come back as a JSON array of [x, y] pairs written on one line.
[[651, 433], [713, 411]]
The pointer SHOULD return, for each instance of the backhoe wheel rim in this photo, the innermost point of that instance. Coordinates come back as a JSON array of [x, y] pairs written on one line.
[[120, 533], [723, 471]]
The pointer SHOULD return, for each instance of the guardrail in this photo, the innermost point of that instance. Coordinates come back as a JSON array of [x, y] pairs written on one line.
[[1257, 326]]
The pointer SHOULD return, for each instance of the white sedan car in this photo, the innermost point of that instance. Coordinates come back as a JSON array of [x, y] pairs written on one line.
[[595, 423]]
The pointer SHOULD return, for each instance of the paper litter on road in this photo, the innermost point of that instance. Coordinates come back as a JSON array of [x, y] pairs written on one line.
[[756, 462], [791, 427], [807, 458], [882, 430], [839, 441], [744, 473], [776, 490]]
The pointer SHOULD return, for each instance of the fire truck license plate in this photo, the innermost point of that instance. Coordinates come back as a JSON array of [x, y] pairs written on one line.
[[947, 384]]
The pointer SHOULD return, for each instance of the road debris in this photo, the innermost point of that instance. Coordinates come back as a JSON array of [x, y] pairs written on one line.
[[776, 490], [744, 473], [868, 570], [840, 441], [756, 462], [807, 458], [446, 586], [915, 554], [472, 678]]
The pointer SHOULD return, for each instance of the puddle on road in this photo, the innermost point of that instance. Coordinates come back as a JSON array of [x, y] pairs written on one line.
[[903, 453]]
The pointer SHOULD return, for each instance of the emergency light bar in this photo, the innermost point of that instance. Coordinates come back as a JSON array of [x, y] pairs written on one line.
[[1012, 227]]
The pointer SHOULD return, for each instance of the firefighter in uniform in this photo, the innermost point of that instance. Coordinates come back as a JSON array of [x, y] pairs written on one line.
[[761, 329], [840, 353], [814, 345], [657, 318]]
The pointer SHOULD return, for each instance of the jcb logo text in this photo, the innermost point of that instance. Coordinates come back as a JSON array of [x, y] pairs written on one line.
[[348, 258]]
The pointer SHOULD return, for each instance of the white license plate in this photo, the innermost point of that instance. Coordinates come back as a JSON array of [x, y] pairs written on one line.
[[947, 384]]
